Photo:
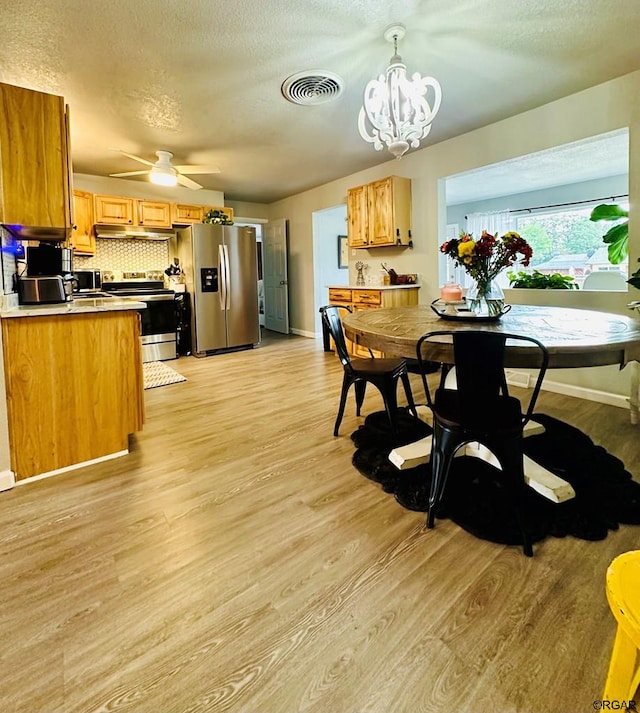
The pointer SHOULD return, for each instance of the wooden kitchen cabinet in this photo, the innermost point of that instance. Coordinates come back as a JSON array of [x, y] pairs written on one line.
[[358, 298], [67, 406], [379, 213], [35, 167], [82, 237], [114, 210], [357, 223], [183, 214], [153, 214]]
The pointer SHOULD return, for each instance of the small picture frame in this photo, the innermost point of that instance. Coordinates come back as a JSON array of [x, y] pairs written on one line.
[[343, 252]]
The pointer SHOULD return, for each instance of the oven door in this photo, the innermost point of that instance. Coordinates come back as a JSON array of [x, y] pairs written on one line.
[[159, 325]]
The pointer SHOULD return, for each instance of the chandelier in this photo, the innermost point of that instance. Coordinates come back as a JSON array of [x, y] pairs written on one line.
[[396, 108]]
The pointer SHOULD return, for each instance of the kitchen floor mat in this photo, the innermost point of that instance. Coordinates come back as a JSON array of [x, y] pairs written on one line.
[[156, 373]]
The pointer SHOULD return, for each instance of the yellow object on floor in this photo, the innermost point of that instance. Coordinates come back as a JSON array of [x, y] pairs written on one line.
[[623, 594]]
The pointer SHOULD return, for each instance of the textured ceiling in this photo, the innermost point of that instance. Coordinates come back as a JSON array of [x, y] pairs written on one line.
[[202, 78], [596, 157]]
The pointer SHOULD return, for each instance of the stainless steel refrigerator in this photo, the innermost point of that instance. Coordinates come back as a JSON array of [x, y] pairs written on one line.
[[221, 273]]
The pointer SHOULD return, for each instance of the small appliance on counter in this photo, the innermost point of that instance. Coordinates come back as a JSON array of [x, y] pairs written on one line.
[[87, 280], [47, 260], [44, 289]]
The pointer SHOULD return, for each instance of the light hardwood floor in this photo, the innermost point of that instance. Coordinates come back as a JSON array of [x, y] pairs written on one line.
[[236, 561]]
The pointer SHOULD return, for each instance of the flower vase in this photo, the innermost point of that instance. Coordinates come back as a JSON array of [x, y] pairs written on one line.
[[485, 299]]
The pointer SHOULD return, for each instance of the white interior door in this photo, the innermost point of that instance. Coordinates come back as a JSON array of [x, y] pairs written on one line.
[[276, 282]]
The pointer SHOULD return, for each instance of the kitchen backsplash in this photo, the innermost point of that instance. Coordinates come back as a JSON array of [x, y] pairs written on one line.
[[131, 255]]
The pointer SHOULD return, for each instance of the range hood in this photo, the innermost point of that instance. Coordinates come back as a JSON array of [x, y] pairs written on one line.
[[33, 232], [133, 232]]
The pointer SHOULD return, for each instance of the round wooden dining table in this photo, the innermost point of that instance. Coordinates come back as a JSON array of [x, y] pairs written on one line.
[[573, 337]]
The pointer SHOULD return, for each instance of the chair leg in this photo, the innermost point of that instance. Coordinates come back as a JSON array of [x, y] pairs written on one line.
[[390, 398], [510, 458], [346, 383], [407, 390], [442, 452], [360, 387]]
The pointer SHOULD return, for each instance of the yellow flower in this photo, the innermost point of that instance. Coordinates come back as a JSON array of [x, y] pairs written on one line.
[[466, 248]]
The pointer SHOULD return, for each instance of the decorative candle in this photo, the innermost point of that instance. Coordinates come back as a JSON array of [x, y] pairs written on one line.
[[451, 292]]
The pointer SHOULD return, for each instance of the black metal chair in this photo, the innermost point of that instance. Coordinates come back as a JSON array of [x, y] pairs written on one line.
[[382, 373], [480, 408]]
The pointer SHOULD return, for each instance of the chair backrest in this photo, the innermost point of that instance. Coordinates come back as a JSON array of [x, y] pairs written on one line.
[[331, 319], [478, 357], [605, 280]]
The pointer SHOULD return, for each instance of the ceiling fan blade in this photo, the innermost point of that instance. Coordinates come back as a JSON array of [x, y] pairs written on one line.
[[128, 173], [200, 168], [135, 158], [187, 182]]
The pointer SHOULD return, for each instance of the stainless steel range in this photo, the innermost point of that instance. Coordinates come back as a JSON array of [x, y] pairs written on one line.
[[159, 320]]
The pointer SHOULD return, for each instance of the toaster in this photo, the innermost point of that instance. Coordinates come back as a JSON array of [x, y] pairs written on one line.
[[43, 290]]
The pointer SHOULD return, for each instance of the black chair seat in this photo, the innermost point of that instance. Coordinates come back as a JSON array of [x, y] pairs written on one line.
[[391, 367], [382, 373]]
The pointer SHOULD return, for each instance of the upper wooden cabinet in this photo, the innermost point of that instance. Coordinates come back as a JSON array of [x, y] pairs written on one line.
[[35, 170], [114, 210], [182, 214], [82, 236], [379, 213], [154, 214], [357, 217], [120, 210]]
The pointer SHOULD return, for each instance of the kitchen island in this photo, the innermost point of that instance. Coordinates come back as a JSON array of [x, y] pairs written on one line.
[[74, 384]]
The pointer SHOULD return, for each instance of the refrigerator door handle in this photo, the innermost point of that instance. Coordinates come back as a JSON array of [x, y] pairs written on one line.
[[227, 278], [222, 272]]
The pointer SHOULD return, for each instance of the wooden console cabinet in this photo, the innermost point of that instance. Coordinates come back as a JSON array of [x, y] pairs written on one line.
[[358, 298]]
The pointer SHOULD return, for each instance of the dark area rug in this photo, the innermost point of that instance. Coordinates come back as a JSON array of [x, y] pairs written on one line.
[[606, 494]]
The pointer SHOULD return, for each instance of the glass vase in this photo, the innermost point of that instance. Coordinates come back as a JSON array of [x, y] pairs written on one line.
[[485, 298]]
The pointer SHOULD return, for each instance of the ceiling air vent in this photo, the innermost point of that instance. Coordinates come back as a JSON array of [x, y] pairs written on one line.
[[313, 87]]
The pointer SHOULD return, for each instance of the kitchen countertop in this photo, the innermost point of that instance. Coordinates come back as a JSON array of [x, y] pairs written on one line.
[[85, 305], [372, 287]]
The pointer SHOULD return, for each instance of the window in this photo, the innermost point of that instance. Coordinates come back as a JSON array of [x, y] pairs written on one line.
[[565, 241]]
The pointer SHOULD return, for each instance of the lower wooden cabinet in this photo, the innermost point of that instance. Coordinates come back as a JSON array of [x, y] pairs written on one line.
[[357, 298], [67, 405]]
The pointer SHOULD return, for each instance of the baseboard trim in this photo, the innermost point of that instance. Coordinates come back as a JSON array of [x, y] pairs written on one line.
[[7, 479], [303, 333], [581, 392], [68, 468]]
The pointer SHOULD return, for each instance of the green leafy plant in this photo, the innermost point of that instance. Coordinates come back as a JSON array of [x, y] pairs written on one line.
[[617, 237], [539, 281], [217, 217]]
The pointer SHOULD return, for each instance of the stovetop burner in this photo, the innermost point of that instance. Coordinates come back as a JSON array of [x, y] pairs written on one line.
[[137, 287]]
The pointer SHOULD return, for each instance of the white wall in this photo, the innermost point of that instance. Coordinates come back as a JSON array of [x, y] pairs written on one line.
[[327, 225], [145, 189]]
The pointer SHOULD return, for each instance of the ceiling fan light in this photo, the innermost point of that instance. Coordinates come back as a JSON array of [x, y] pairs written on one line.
[[163, 177]]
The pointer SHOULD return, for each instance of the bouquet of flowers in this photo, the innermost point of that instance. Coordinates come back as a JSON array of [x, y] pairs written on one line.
[[484, 259]]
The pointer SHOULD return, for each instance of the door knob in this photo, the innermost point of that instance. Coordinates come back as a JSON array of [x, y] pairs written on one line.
[[283, 282]]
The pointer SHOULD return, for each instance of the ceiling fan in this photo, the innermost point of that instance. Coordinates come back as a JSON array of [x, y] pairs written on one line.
[[164, 173]]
